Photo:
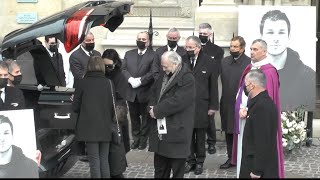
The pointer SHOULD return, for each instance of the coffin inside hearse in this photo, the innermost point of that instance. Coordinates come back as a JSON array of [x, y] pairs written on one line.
[[54, 118]]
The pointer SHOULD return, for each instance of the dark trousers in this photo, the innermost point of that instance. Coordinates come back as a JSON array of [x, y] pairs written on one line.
[[164, 165], [140, 126], [198, 149], [211, 132], [229, 141], [98, 153]]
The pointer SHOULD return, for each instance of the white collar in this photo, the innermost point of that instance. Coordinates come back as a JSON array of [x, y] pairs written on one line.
[[87, 52], [260, 63], [50, 53], [2, 89], [174, 49], [144, 51]]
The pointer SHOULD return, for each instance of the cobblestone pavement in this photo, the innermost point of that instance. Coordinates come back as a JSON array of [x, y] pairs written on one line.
[[302, 163]]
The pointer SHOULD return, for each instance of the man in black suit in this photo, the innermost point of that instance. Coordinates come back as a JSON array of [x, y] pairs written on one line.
[[216, 53], [56, 58], [173, 38], [11, 97], [232, 68], [138, 70], [259, 149], [79, 58], [206, 74]]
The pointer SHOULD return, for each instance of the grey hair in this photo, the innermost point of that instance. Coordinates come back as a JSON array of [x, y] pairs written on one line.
[[262, 42], [173, 29], [11, 64], [257, 77], [4, 65], [206, 26], [173, 57], [195, 39]]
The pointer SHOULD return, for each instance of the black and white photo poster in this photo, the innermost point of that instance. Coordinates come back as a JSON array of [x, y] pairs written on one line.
[[18, 151], [290, 33]]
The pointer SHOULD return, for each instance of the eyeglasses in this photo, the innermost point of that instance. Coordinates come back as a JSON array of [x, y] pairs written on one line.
[[111, 66], [247, 85]]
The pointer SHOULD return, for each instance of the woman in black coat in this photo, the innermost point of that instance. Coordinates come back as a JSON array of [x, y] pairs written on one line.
[[93, 102], [118, 162]]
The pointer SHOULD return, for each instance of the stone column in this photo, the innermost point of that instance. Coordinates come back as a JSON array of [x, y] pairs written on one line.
[[223, 17]]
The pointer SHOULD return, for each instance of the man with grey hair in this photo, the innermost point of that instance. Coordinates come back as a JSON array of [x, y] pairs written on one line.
[[259, 60], [14, 72], [206, 74], [259, 154], [216, 53], [172, 109], [173, 37]]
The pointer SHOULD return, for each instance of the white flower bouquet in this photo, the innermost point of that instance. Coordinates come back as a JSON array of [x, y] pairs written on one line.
[[293, 129]]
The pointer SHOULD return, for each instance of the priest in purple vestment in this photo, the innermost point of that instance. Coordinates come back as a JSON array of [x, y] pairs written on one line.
[[259, 61]]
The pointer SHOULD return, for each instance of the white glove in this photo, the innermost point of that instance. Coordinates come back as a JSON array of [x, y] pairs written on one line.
[[138, 81], [40, 87], [132, 81]]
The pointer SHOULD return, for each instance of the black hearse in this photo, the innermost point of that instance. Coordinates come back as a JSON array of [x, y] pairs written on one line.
[[54, 119]]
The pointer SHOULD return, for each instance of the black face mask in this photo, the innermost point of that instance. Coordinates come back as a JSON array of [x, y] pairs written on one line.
[[17, 79], [203, 39], [141, 44], [53, 48], [191, 54], [3, 82], [246, 92], [235, 54], [172, 44], [89, 46], [170, 74]]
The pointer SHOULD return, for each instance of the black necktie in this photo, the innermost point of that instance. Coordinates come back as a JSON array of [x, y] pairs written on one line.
[[171, 49], [90, 53], [1, 101], [140, 54], [192, 63]]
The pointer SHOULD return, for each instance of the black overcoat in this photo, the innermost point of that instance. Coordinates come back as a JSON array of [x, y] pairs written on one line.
[[177, 106], [94, 105], [231, 71], [206, 74], [259, 149]]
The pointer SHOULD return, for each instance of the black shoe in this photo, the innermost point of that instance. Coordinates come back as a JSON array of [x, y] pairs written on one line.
[[211, 149], [189, 167], [227, 164], [199, 169], [134, 145], [142, 146], [83, 158]]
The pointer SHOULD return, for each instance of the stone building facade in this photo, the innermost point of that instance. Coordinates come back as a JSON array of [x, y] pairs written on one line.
[[185, 15]]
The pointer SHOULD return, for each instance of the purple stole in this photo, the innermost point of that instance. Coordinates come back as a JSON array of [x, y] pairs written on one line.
[[272, 86]]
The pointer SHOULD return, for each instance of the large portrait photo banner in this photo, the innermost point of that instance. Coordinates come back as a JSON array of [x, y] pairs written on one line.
[[18, 150], [290, 33]]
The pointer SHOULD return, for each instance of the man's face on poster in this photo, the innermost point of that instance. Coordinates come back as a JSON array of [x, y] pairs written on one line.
[[6, 137], [276, 34]]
